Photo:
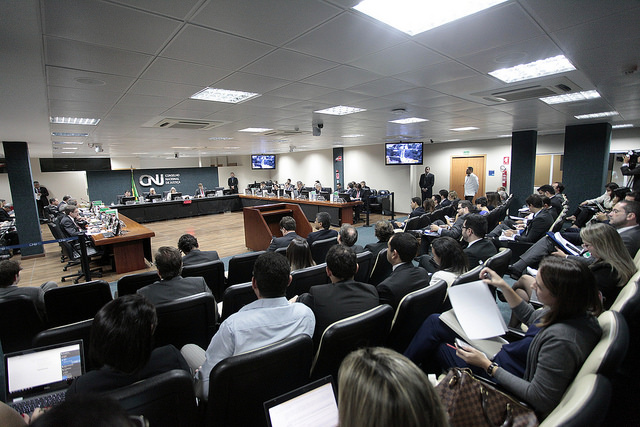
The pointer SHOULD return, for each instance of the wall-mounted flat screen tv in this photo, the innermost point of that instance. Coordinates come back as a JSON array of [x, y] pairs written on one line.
[[263, 161], [403, 153]]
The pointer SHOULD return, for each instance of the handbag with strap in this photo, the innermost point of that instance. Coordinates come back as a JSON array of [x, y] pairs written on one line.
[[473, 402]]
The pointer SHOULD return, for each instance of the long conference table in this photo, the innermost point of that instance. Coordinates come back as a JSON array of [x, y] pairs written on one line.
[[341, 213], [131, 248]]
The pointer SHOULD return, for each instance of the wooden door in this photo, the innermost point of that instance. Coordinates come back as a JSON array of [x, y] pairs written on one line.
[[458, 173]]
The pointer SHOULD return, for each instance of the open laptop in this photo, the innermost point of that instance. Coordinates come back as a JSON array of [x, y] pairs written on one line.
[[312, 405], [39, 377]]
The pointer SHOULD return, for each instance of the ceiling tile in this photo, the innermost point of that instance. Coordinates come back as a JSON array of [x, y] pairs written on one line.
[[286, 64], [169, 70], [341, 77]]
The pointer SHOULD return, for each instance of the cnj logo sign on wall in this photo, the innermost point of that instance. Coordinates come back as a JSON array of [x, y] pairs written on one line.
[[148, 180]]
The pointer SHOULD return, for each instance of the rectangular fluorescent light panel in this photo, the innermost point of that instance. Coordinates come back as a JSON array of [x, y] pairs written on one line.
[[220, 138], [224, 95], [464, 129], [532, 70], [627, 125], [74, 121], [571, 97], [255, 130], [67, 143], [68, 134], [340, 110], [352, 135], [408, 120], [417, 16], [597, 115]]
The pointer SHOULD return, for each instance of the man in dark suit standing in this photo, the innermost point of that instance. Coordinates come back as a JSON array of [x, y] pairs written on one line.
[[188, 245], [233, 183], [343, 297], [405, 278], [171, 285], [288, 229], [42, 197], [478, 248], [322, 224], [632, 170], [427, 180]]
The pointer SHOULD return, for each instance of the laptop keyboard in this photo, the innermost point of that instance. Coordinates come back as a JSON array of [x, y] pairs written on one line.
[[46, 401]]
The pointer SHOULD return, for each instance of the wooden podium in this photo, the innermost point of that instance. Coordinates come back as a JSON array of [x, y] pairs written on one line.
[[261, 223]]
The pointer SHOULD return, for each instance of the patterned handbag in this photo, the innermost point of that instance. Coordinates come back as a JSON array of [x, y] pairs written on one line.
[[473, 402]]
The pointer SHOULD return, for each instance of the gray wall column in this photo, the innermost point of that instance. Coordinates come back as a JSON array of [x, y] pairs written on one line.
[[523, 167], [586, 160], [22, 195]]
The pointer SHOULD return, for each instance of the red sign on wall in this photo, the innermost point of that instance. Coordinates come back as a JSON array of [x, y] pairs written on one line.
[[505, 160]]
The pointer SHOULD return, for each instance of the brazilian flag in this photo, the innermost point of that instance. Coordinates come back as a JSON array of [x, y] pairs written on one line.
[[134, 189]]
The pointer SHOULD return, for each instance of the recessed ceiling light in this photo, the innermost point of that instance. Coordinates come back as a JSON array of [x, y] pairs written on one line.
[[532, 70], [464, 129], [67, 143], [67, 152], [505, 135], [416, 16], [453, 140], [66, 148], [408, 120], [340, 110], [626, 125], [352, 135], [224, 95], [220, 138], [255, 130], [74, 121], [231, 148], [69, 134], [571, 97], [597, 115], [139, 153]]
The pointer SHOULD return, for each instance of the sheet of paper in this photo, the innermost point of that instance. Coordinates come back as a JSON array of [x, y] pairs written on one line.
[[476, 310]]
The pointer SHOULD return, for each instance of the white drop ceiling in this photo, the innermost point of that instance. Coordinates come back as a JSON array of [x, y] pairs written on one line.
[[134, 62]]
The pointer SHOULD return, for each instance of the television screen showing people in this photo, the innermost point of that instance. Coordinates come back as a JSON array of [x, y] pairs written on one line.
[[263, 161], [403, 153]]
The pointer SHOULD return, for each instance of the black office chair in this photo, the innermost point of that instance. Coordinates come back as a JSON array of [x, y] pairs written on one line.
[[239, 385], [365, 264], [72, 254], [412, 311], [412, 224], [425, 221], [368, 329], [468, 277], [499, 262], [130, 283], [187, 320], [381, 268], [241, 267], [19, 323], [235, 297], [165, 400], [213, 274], [303, 280], [282, 251], [73, 303], [585, 403], [65, 333], [320, 248]]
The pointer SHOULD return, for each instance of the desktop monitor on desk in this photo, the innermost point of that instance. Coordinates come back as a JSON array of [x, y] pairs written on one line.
[[127, 200], [154, 197], [175, 196]]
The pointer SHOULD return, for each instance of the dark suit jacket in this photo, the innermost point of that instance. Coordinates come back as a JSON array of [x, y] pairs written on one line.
[[417, 212], [536, 228], [69, 227], [635, 185], [336, 301], [479, 252], [321, 235], [196, 256], [281, 242], [444, 203], [163, 359], [4, 216], [170, 290], [427, 181], [556, 205], [631, 240], [455, 231], [404, 279], [233, 182]]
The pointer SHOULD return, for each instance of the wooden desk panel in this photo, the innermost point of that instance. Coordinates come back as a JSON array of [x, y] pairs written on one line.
[[341, 213], [262, 222], [129, 249]]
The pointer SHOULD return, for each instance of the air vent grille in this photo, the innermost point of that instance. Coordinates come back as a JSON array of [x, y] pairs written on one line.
[[549, 87], [170, 123]]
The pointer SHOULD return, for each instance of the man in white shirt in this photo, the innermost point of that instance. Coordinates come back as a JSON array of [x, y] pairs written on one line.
[[263, 322], [471, 185]]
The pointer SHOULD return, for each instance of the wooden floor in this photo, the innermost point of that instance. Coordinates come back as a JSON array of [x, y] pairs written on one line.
[[222, 232]]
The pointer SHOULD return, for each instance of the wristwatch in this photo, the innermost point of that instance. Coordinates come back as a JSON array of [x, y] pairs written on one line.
[[492, 368]]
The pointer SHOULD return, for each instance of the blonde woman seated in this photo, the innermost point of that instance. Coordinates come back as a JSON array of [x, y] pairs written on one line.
[[379, 387], [610, 263], [299, 254]]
